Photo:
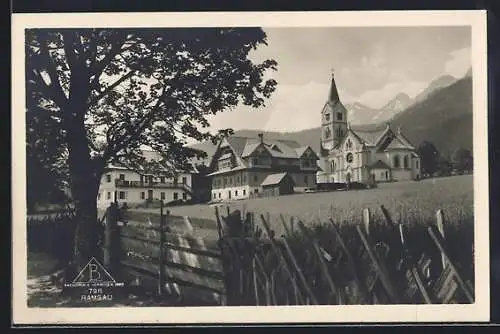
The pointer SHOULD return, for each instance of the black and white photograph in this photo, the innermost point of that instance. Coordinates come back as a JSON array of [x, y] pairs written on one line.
[[236, 162]]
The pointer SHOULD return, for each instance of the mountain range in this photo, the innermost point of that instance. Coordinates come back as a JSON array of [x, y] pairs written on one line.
[[362, 114], [441, 113]]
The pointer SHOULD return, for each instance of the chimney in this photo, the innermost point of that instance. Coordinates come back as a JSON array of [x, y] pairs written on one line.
[[261, 137]]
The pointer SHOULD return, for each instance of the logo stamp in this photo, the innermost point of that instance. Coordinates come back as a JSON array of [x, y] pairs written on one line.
[[93, 283]]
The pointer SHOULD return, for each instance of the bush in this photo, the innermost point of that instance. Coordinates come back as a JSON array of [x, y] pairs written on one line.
[[52, 235]]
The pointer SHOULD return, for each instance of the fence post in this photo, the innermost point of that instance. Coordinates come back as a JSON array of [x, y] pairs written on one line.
[[366, 220], [161, 273], [440, 226], [112, 247]]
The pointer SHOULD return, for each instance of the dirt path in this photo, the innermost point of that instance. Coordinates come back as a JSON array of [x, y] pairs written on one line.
[[43, 291]]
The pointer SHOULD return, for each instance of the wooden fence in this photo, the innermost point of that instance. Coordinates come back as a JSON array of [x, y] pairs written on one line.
[[238, 260], [362, 264], [162, 255]]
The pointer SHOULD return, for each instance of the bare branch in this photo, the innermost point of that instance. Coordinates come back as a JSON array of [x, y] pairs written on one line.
[[111, 87]]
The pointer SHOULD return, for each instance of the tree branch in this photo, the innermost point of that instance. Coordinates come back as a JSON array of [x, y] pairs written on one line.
[[102, 94], [57, 92]]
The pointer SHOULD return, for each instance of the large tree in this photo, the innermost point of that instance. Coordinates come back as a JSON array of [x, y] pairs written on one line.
[[111, 91], [462, 160]]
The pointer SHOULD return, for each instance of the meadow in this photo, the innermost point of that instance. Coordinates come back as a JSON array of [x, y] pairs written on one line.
[[412, 201]]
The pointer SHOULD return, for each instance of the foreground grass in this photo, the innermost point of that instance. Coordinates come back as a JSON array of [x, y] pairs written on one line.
[[406, 201]]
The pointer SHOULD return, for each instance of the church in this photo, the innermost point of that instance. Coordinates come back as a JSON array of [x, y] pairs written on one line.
[[358, 155]]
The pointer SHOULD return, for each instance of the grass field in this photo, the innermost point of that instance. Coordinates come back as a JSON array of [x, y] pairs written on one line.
[[407, 202]]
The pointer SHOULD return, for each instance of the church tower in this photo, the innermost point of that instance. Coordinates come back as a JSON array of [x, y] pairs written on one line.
[[333, 119]]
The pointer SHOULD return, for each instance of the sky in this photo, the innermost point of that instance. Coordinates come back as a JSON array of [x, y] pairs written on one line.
[[371, 65]]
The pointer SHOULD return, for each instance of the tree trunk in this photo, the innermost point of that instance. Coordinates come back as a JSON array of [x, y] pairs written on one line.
[[85, 178]]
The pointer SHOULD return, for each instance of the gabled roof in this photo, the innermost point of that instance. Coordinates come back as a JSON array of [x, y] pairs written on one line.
[[379, 164], [154, 156], [371, 137], [274, 179], [398, 144]]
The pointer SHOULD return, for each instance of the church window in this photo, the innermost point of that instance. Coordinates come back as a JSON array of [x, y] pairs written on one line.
[[348, 145], [405, 162], [332, 166], [340, 132], [339, 116], [327, 117], [395, 161], [328, 133], [349, 157]]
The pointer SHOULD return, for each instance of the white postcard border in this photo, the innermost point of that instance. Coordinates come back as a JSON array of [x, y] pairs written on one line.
[[479, 311]]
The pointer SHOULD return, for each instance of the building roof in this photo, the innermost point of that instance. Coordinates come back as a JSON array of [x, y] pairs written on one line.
[[370, 137], [379, 164], [245, 146], [397, 144], [273, 179], [152, 156]]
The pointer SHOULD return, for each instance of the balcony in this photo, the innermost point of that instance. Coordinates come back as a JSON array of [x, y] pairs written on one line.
[[146, 184]]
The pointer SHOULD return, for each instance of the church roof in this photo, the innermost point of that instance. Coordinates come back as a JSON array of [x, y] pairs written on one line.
[[397, 144], [370, 137]]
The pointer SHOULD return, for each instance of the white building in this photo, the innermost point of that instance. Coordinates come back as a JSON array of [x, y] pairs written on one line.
[[133, 188], [356, 155]]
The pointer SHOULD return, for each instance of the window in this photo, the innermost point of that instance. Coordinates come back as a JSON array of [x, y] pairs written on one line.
[[108, 178], [215, 195], [122, 177], [236, 193], [162, 195], [255, 178], [348, 144], [238, 180], [121, 195], [162, 179], [225, 181], [340, 132], [219, 195], [339, 116], [395, 161], [255, 161], [406, 162], [176, 196], [184, 196], [231, 181], [184, 180], [244, 178], [256, 191], [306, 180], [244, 192], [150, 178], [143, 195], [141, 178], [332, 166], [328, 132], [349, 157], [327, 117], [416, 164], [108, 195]]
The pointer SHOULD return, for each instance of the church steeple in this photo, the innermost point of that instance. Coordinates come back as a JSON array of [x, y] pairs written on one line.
[[333, 95]]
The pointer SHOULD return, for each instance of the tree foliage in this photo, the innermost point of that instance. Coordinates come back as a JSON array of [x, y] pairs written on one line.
[[429, 158], [462, 160], [110, 92]]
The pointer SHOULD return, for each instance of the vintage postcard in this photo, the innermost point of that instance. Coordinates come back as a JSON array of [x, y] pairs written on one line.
[[185, 168]]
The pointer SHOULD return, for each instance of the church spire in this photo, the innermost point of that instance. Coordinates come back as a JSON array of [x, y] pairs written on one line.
[[333, 95]]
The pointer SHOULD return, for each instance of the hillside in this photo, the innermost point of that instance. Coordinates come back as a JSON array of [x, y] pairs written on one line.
[[444, 117]]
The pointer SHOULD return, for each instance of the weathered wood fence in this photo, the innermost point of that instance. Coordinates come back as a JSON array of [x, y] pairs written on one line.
[[362, 264], [239, 260], [161, 255]]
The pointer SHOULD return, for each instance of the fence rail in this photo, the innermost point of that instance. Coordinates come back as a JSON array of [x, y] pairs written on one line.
[[238, 259]]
